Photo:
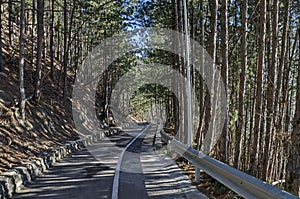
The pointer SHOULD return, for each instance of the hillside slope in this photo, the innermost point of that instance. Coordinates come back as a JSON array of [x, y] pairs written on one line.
[[48, 122]]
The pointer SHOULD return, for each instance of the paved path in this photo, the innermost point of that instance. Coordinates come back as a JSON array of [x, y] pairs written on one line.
[[144, 173]]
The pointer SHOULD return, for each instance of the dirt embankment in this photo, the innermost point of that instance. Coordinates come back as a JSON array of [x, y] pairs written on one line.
[[48, 122]]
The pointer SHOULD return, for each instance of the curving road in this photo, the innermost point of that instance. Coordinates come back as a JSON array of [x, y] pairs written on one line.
[[126, 167]]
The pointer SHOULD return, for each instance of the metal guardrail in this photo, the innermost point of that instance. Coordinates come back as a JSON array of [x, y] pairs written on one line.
[[236, 180]]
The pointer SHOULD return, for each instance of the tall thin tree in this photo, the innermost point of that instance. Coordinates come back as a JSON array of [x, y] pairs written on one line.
[[223, 152], [33, 26], [282, 64], [66, 54], [270, 91], [22, 60], [1, 56], [52, 39], [10, 22], [40, 18], [199, 135], [293, 180], [244, 60], [212, 51], [259, 88]]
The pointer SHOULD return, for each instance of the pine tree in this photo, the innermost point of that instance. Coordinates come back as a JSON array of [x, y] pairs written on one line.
[[22, 60], [40, 20]]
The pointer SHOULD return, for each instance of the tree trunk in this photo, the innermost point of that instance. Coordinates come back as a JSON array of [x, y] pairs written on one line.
[[10, 23], [282, 58], [33, 33], [212, 51], [52, 40], [175, 66], [58, 52], [199, 134], [293, 181], [244, 13], [213, 30], [223, 152], [1, 56], [21, 58], [66, 57], [180, 89], [252, 119], [277, 106], [67, 45], [270, 92], [40, 18], [244, 158], [259, 86]]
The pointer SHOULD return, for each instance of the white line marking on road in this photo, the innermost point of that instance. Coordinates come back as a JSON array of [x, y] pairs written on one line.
[[115, 190]]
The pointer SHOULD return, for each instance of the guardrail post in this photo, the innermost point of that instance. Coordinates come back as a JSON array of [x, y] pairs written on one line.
[[197, 175]]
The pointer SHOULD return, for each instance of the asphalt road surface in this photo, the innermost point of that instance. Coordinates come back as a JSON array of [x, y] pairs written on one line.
[[125, 167]]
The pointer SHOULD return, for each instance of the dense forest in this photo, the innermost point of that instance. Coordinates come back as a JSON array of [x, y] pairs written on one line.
[[256, 45]]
